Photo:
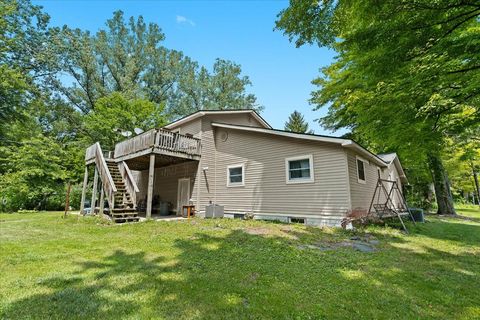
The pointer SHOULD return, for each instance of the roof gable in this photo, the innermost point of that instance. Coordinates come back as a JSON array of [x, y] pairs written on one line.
[[392, 158], [202, 113]]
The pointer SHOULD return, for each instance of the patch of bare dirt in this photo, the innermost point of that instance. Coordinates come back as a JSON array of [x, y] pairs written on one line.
[[285, 232], [259, 231]]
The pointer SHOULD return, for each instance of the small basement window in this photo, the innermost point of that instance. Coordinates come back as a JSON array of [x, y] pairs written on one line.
[[297, 220], [235, 176], [361, 171], [299, 169]]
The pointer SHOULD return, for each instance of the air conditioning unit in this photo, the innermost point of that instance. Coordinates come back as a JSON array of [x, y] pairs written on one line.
[[214, 211]]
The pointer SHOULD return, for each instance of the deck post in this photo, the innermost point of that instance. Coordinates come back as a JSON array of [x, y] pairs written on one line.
[[84, 190], [102, 200], [94, 191], [151, 173]]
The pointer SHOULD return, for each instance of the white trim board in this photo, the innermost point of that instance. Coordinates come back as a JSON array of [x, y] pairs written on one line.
[[364, 163], [300, 180], [236, 184]]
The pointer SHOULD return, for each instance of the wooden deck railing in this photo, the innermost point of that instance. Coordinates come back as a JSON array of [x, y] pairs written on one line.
[[159, 139], [95, 152], [90, 152], [176, 142]]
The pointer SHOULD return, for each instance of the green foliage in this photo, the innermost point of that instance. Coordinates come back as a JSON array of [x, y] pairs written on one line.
[[114, 114], [128, 57], [297, 123], [22, 57], [35, 171], [62, 89], [462, 160], [224, 88], [406, 72], [309, 22]]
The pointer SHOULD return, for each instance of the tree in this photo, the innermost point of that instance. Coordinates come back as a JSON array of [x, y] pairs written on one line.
[[62, 89], [115, 115], [38, 152], [24, 58], [224, 88], [128, 57], [403, 76], [296, 123], [34, 167], [462, 160]]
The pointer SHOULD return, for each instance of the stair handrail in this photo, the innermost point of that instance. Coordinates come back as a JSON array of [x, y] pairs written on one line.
[[105, 176], [130, 182]]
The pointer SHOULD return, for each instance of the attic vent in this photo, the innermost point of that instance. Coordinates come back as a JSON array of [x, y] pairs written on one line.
[[223, 136]]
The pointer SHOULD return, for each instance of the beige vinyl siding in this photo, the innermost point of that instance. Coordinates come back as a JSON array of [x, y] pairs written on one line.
[[266, 190], [361, 193], [166, 181], [392, 174], [203, 190], [193, 127]]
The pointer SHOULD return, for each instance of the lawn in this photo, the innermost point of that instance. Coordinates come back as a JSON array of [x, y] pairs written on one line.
[[469, 210], [81, 268]]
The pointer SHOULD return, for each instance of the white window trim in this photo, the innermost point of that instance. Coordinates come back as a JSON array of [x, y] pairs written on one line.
[[365, 163], [236, 184], [287, 169]]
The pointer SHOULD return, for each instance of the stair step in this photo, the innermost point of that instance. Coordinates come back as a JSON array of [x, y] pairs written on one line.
[[125, 214], [123, 210], [126, 220], [124, 207]]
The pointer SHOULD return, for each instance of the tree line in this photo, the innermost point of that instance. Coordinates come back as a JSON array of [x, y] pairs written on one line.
[[62, 89], [405, 79]]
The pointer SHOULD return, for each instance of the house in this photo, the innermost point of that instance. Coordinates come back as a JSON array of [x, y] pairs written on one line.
[[236, 159]]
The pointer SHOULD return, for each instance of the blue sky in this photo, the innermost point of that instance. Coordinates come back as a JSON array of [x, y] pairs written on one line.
[[241, 31]]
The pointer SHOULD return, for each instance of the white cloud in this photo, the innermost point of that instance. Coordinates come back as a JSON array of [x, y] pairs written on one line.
[[182, 19]]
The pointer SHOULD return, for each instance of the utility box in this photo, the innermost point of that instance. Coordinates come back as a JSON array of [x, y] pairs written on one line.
[[214, 211], [417, 214]]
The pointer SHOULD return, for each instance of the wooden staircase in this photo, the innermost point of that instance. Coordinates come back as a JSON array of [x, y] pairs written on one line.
[[124, 207], [119, 186]]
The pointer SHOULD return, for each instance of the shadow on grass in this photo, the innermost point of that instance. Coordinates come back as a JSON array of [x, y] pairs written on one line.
[[241, 275], [452, 229]]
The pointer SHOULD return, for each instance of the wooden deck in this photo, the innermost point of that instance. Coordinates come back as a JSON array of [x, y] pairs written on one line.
[[155, 141], [147, 151], [158, 141]]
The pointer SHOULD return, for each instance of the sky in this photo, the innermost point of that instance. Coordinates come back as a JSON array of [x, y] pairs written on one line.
[[241, 31]]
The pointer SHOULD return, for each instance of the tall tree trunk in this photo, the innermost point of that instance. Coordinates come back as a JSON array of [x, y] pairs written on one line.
[[475, 178], [441, 184]]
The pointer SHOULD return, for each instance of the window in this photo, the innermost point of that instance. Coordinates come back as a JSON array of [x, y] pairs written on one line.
[[235, 175], [299, 169], [361, 170], [297, 220]]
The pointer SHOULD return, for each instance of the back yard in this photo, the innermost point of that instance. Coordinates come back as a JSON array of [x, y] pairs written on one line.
[[83, 268]]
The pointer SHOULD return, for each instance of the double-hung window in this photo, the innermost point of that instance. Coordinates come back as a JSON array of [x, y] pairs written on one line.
[[299, 169], [236, 175], [361, 177]]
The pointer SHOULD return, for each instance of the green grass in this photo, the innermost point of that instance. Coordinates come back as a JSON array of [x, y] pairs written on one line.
[[82, 268], [469, 210]]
